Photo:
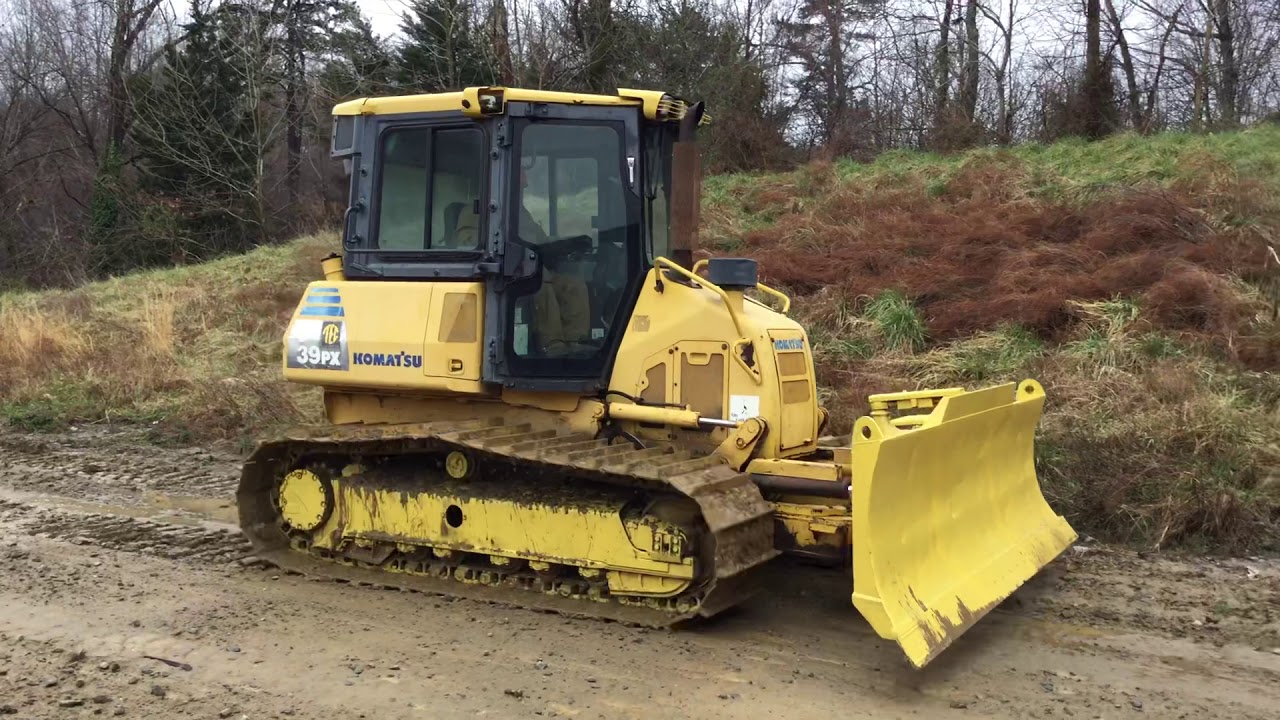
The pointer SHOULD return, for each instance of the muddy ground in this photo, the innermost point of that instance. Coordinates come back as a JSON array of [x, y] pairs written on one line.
[[125, 591]]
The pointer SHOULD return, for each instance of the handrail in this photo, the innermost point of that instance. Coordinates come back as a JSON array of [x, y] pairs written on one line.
[[786, 301]]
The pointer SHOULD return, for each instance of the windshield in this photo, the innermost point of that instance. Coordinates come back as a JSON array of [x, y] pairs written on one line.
[[570, 183]]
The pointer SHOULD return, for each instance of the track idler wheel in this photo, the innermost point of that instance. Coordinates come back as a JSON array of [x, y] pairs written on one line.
[[306, 500]]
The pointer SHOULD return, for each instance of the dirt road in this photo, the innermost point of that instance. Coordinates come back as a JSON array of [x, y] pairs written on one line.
[[124, 591]]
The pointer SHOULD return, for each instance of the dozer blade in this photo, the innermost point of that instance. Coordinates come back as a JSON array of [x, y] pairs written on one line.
[[948, 517]]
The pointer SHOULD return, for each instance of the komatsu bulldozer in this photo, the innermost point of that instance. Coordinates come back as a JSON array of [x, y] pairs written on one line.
[[534, 395]]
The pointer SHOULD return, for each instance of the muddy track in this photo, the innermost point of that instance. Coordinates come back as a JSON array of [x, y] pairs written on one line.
[[129, 534], [219, 544], [1212, 600], [106, 468]]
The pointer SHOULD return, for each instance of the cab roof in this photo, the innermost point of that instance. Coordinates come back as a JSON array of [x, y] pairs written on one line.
[[656, 104]]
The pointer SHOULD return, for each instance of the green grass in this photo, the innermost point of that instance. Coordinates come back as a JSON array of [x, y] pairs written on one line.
[[1074, 166], [1003, 355], [1073, 170], [897, 320]]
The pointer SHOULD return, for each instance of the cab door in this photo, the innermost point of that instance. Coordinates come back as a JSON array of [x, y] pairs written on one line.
[[573, 245]]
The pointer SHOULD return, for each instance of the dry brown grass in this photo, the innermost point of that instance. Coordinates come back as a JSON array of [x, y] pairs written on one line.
[[192, 350], [1148, 310], [157, 323], [983, 255]]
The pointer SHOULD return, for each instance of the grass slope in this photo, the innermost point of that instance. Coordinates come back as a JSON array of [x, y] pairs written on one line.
[[194, 351], [1131, 276]]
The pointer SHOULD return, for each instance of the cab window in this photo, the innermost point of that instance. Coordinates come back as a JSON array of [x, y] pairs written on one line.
[[657, 190], [429, 189]]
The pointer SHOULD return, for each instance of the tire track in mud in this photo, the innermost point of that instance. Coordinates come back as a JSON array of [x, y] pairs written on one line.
[[130, 534], [112, 472]]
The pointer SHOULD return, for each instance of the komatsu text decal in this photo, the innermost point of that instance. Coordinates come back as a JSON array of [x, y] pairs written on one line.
[[790, 344], [392, 359]]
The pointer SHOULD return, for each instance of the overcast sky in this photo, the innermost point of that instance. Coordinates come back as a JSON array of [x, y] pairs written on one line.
[[384, 14], [1032, 18]]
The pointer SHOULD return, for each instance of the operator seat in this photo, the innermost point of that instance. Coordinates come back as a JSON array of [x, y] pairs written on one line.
[[451, 213], [460, 227]]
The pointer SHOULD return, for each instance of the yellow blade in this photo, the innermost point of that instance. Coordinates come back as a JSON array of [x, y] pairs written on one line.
[[948, 518]]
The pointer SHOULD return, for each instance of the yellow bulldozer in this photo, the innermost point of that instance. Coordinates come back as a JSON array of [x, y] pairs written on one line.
[[534, 394]]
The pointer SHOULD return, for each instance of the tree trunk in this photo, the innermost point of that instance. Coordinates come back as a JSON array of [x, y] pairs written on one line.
[[130, 22], [1005, 126], [1148, 114], [502, 45], [942, 67], [116, 101], [600, 37], [1229, 82], [1199, 91], [1126, 64], [1094, 123], [293, 111], [969, 88], [837, 102]]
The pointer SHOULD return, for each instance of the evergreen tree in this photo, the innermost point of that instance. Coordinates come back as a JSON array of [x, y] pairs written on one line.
[[202, 132], [309, 28], [357, 64], [708, 57], [823, 41], [444, 46]]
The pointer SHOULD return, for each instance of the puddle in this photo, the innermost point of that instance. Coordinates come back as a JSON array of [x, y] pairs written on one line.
[[174, 507]]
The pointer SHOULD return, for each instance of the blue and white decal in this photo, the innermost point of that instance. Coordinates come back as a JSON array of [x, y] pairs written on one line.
[[322, 302], [317, 345]]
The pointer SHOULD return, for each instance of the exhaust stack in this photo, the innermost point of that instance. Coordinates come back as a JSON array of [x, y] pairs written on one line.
[[686, 190]]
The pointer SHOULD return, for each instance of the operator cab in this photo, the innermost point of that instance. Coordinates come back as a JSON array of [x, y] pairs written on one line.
[[558, 202]]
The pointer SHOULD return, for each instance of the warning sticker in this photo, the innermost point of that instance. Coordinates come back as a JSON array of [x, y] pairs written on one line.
[[742, 407]]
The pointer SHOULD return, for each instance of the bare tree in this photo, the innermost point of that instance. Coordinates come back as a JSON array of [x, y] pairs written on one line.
[[969, 79], [131, 19], [942, 79], [1006, 107], [100, 139], [1126, 65], [1094, 96], [1220, 13]]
